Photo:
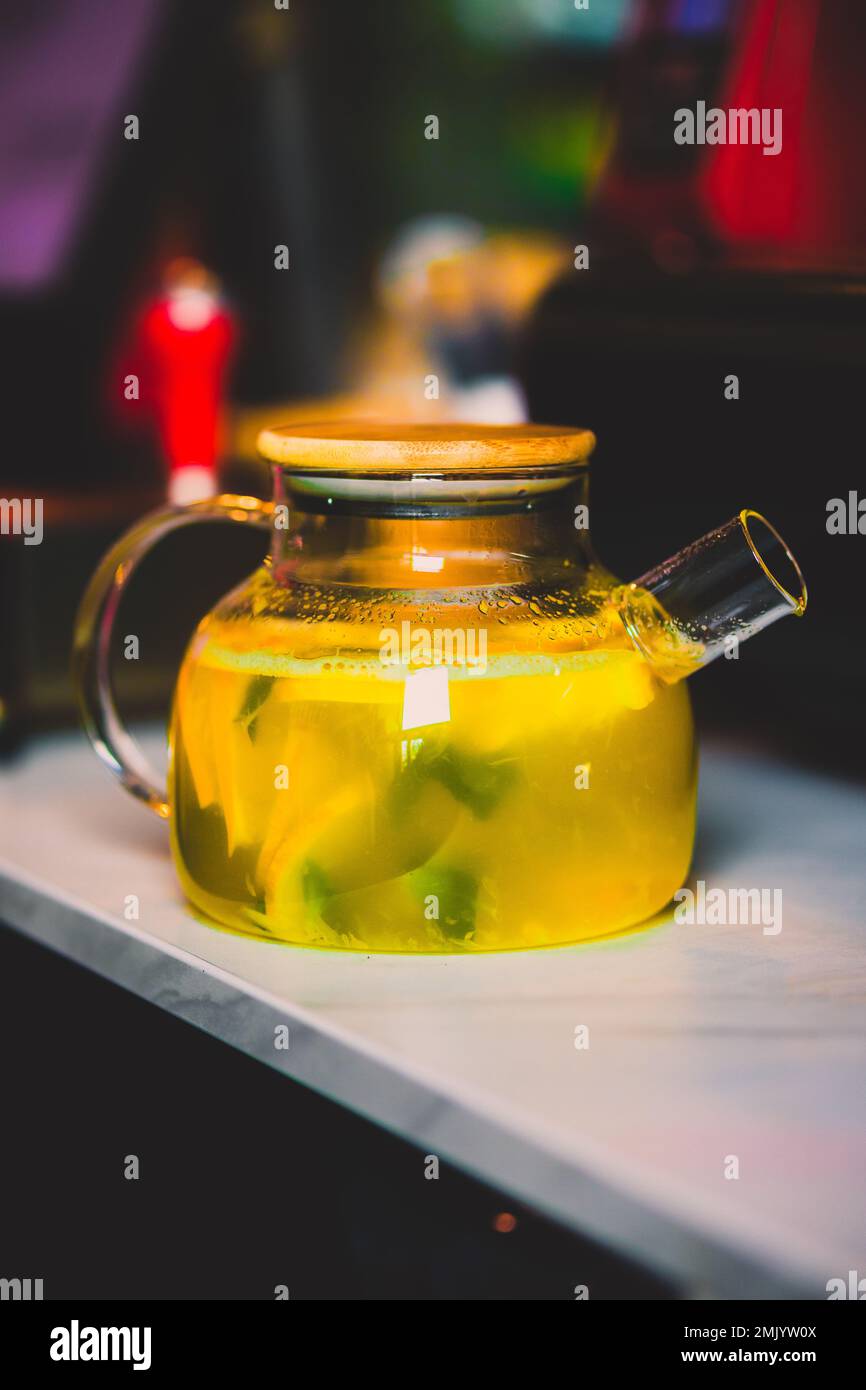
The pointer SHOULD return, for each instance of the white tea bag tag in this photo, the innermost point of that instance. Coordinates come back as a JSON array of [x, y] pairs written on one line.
[[426, 699]]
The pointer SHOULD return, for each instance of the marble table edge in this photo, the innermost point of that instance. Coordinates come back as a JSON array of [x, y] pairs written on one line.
[[371, 1082]]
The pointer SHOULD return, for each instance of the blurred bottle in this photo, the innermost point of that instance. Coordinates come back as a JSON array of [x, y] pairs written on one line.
[[181, 350], [452, 295]]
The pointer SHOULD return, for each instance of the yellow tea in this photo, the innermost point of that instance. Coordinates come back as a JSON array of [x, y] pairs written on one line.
[[349, 801]]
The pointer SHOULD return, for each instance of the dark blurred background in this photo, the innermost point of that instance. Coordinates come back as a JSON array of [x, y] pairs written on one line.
[[257, 127]]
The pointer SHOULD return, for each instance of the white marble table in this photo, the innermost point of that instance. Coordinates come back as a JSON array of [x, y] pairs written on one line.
[[705, 1041]]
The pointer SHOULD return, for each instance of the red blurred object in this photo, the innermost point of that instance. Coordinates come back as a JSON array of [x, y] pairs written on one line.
[[181, 350], [749, 196], [801, 208]]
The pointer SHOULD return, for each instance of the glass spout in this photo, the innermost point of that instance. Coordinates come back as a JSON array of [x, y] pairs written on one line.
[[718, 591]]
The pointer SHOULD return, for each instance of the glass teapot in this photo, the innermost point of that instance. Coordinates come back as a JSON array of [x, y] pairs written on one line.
[[432, 721]]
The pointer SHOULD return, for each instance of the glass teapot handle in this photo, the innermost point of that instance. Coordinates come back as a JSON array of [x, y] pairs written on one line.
[[91, 649]]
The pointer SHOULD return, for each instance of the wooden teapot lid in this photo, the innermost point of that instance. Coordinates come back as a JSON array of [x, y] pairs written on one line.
[[366, 446]]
